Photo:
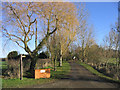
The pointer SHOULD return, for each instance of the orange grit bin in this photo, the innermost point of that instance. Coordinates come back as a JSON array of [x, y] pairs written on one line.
[[42, 73]]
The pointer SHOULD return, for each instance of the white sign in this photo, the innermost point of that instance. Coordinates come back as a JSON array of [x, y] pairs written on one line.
[[42, 71], [23, 56]]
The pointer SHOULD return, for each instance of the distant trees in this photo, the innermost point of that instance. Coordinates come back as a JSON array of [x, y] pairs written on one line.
[[53, 49], [108, 46], [59, 43], [68, 34], [116, 46], [85, 36]]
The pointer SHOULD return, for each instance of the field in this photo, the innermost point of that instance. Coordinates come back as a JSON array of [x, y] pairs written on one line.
[[3, 64]]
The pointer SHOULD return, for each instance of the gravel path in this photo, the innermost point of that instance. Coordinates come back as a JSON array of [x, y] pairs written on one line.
[[79, 77]]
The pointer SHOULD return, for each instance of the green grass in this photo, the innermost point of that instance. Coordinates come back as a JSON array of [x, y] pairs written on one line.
[[17, 83], [45, 67], [3, 64], [92, 70], [26, 82], [61, 72]]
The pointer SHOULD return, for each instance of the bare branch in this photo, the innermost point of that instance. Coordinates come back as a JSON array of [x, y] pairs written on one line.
[[12, 34], [19, 45], [12, 9], [56, 26], [32, 22], [53, 31]]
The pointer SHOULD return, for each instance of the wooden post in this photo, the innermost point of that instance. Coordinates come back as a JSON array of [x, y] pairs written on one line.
[[21, 68], [36, 35]]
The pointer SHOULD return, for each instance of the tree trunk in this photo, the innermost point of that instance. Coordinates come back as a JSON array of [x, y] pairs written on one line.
[[117, 67], [55, 64], [83, 54], [60, 62], [32, 66], [106, 66], [51, 60]]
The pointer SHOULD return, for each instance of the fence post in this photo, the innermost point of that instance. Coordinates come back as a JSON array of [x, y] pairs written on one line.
[[21, 68]]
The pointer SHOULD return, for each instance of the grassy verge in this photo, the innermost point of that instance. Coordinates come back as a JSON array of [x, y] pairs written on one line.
[[92, 70], [26, 82], [17, 83], [61, 72]]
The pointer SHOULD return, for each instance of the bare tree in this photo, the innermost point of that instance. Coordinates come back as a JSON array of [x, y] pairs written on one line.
[[20, 19], [66, 34], [84, 33], [108, 45], [112, 44], [116, 46], [66, 37]]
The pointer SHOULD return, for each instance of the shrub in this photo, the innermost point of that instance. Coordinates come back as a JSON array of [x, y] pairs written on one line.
[[13, 69], [12, 55], [42, 55]]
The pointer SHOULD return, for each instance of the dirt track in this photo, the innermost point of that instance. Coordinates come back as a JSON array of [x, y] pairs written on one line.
[[79, 77]]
